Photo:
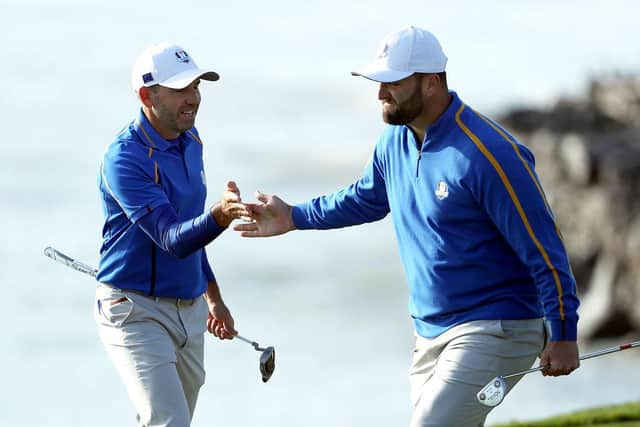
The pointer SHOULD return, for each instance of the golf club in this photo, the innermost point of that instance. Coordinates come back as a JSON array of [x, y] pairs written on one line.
[[70, 262], [493, 393], [267, 358]]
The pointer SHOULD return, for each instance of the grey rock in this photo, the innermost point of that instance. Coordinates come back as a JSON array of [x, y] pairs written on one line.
[[588, 159], [576, 157]]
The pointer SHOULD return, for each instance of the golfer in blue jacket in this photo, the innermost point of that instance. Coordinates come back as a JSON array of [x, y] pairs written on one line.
[[157, 293], [485, 262]]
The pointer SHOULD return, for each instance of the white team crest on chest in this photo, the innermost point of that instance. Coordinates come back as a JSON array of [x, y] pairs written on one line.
[[204, 178], [442, 190]]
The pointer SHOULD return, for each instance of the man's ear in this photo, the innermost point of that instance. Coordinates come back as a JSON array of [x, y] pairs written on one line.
[[431, 82], [144, 93]]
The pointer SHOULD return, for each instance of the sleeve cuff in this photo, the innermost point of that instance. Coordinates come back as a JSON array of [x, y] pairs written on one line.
[[212, 227], [299, 217], [562, 330]]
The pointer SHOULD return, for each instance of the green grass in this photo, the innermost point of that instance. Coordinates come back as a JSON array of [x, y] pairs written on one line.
[[625, 415]]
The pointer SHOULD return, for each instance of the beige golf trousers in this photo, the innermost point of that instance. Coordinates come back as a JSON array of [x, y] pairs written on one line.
[[157, 345], [448, 371]]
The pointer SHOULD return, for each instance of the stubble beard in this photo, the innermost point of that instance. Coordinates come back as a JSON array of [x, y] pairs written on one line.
[[174, 120]]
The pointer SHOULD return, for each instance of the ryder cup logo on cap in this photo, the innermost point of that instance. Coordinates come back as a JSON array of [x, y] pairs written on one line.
[[410, 50], [167, 65]]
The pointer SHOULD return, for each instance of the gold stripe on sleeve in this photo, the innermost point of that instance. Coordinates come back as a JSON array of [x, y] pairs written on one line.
[[516, 201], [526, 166]]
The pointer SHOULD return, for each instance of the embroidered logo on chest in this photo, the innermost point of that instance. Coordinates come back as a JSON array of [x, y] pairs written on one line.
[[442, 190]]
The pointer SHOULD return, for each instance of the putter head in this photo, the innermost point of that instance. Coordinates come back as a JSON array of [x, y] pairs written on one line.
[[267, 363], [493, 393]]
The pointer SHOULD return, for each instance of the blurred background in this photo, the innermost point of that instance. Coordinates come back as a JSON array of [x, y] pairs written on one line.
[[287, 118]]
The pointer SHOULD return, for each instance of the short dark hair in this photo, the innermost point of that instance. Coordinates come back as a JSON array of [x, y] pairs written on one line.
[[153, 91]]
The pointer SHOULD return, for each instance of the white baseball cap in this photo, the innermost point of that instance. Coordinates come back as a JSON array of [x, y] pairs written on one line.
[[410, 50], [167, 65]]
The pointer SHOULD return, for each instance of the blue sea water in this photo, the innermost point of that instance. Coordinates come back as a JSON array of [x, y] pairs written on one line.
[[285, 118]]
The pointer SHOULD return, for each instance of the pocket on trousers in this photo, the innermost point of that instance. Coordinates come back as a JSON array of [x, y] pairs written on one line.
[[113, 308], [525, 336]]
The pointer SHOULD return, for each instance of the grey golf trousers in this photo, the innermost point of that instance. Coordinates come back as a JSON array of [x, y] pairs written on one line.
[[448, 371], [157, 346]]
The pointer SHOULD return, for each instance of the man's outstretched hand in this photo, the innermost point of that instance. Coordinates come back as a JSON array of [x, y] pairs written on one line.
[[270, 217]]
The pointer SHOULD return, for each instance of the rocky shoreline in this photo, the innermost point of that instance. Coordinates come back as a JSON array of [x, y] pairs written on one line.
[[588, 159]]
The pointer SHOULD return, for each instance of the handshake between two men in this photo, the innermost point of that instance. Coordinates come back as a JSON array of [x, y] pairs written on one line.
[[270, 216]]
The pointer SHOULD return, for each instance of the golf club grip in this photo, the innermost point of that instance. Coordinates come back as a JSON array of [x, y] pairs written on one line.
[[70, 262], [585, 357]]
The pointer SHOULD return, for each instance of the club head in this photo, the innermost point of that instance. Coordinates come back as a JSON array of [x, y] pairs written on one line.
[[267, 363], [493, 393]]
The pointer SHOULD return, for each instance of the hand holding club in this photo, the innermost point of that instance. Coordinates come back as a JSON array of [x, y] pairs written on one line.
[[559, 358]]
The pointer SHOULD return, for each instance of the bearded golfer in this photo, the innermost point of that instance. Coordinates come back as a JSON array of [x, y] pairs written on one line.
[[485, 262]]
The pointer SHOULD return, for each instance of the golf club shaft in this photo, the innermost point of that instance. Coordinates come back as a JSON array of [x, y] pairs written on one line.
[[241, 338], [58, 256], [586, 356], [248, 341]]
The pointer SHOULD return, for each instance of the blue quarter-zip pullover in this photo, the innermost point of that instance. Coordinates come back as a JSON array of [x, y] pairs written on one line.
[[153, 193], [476, 235]]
